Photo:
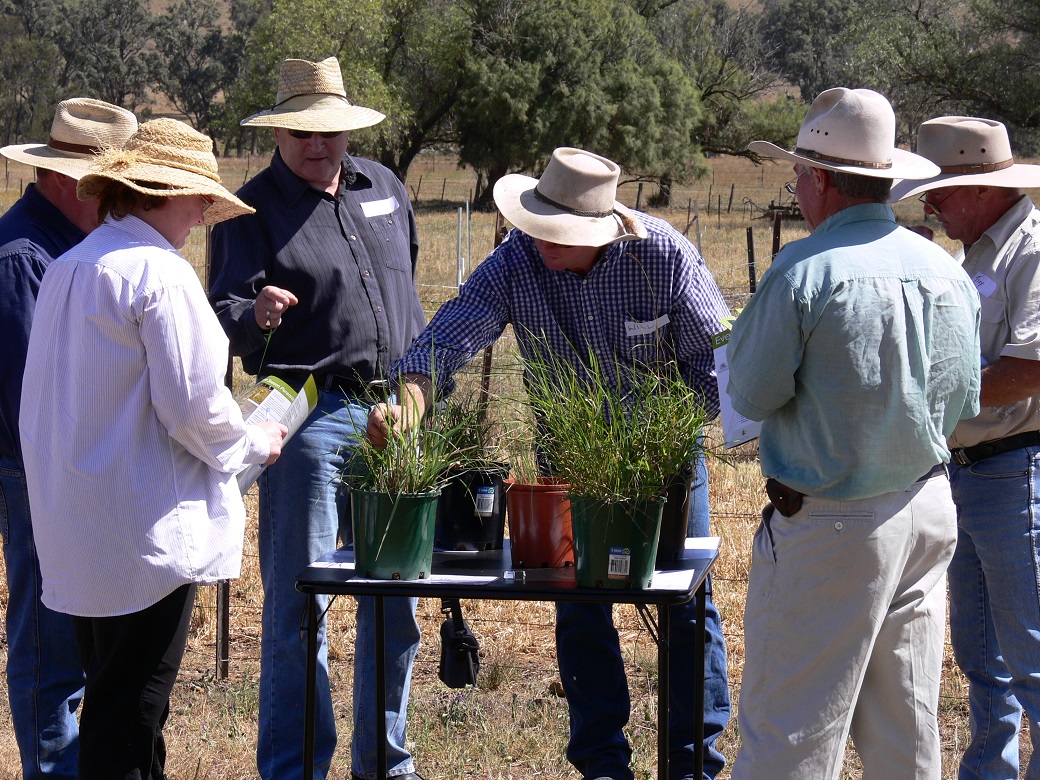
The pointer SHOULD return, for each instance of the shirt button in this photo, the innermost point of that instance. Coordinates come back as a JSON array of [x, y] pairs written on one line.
[[379, 308], [389, 222], [353, 238], [592, 317], [368, 273], [839, 525]]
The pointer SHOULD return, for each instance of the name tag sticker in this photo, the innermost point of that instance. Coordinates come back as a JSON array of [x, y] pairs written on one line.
[[377, 208], [636, 329], [984, 284]]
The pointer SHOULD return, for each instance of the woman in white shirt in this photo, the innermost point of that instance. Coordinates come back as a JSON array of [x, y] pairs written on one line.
[[132, 441]]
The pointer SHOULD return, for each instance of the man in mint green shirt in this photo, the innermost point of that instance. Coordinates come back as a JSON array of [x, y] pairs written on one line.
[[860, 354]]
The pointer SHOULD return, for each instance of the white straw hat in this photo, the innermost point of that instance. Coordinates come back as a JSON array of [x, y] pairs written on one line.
[[968, 151], [851, 131], [81, 129], [165, 158], [311, 98], [573, 202]]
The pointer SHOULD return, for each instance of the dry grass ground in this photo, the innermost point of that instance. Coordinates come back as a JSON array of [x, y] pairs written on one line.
[[515, 724]]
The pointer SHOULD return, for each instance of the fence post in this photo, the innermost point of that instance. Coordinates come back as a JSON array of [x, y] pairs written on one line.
[[639, 197], [732, 190], [777, 219], [752, 273], [458, 253]]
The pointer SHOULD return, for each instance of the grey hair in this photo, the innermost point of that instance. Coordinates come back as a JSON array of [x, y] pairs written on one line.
[[852, 185]]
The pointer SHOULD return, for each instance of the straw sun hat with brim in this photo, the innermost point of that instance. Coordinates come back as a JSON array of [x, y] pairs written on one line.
[[572, 203], [311, 98], [165, 158], [851, 131], [968, 151], [81, 129]]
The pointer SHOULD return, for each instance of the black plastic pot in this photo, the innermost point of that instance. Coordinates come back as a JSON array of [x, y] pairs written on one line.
[[471, 513], [674, 519]]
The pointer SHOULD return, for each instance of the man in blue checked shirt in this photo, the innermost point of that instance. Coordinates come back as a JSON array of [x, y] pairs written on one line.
[[581, 272]]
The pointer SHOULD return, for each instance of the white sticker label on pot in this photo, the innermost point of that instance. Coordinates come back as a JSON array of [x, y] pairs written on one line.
[[620, 563], [485, 500]]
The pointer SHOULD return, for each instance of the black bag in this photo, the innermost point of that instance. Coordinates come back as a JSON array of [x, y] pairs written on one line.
[[460, 659]]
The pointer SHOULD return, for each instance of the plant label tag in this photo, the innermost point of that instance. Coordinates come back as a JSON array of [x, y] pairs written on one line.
[[620, 563], [485, 500]]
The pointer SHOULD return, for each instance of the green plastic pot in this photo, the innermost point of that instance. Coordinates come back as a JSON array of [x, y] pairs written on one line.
[[615, 544], [393, 534]]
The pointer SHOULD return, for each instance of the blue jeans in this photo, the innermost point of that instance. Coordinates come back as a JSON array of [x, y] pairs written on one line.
[[593, 675], [44, 675], [995, 608], [300, 510]]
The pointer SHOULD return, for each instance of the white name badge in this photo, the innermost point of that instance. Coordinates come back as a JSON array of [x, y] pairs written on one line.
[[984, 284], [377, 208], [635, 329]]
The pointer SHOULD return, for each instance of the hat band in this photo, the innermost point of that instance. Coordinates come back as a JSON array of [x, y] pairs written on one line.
[[62, 146], [841, 160], [977, 167], [307, 94], [568, 209]]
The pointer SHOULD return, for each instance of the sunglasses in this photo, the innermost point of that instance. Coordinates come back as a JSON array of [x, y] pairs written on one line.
[[305, 134]]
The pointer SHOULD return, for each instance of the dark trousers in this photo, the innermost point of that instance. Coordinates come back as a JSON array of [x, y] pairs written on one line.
[[131, 663]]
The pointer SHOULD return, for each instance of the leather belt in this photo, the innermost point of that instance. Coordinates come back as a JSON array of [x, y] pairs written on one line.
[[349, 384], [787, 501], [965, 456]]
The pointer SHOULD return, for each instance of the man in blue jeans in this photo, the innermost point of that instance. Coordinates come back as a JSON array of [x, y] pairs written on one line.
[[320, 281], [994, 589], [44, 674], [582, 272]]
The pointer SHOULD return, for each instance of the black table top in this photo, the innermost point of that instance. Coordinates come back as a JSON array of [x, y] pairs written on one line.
[[490, 575]]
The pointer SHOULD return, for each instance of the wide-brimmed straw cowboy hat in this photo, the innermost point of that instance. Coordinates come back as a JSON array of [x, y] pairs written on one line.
[[573, 202], [81, 129], [165, 158], [311, 98], [968, 151], [851, 131]]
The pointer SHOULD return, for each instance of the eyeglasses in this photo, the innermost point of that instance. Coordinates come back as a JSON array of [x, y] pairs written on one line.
[[792, 186], [207, 201], [305, 134], [935, 208]]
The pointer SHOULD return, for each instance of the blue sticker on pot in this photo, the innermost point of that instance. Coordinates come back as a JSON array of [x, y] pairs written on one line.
[[620, 563], [485, 502]]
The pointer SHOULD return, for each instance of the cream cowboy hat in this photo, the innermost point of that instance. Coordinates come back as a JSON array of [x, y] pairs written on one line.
[[968, 150], [165, 158], [573, 202], [851, 131], [311, 97], [81, 129]]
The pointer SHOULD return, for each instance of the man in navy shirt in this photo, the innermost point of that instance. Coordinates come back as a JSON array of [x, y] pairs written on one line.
[[44, 675], [320, 280]]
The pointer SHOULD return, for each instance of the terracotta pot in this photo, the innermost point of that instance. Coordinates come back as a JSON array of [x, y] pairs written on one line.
[[539, 519]]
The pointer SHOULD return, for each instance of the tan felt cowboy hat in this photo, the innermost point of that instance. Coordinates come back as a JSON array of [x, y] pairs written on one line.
[[851, 131], [311, 98], [572, 203], [165, 158], [81, 129], [968, 151]]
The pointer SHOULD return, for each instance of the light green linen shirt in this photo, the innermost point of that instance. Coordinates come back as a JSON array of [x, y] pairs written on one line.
[[860, 353]]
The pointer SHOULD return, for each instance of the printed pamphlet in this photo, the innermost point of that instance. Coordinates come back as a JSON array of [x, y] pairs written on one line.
[[272, 400], [736, 428]]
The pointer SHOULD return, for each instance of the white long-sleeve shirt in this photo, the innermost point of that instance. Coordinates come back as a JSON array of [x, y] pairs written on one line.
[[130, 437]]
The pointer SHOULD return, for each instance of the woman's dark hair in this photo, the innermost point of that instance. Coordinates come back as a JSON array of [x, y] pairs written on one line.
[[118, 199]]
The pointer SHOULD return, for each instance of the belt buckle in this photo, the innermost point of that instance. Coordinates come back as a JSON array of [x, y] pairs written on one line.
[[960, 457]]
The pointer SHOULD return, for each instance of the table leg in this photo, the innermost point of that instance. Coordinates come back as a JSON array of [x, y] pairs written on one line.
[[380, 688], [312, 673], [700, 635], [663, 685]]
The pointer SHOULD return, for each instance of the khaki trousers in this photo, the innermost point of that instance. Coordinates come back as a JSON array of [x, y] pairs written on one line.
[[844, 628]]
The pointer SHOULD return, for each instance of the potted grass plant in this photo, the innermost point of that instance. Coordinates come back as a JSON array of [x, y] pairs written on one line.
[[619, 436], [538, 506], [394, 493], [471, 510]]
